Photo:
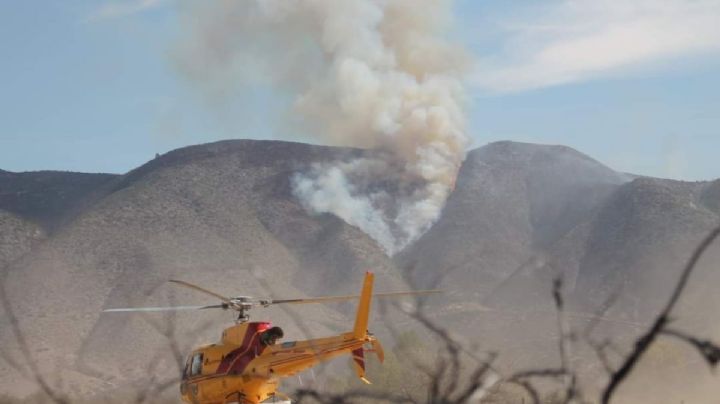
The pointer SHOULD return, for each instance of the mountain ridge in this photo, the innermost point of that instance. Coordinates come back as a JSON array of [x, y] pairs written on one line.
[[223, 215]]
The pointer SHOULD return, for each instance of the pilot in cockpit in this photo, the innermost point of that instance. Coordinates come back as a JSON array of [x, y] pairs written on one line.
[[271, 336]]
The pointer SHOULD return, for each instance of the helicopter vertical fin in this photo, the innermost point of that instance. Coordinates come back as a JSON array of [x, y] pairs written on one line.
[[363, 311]]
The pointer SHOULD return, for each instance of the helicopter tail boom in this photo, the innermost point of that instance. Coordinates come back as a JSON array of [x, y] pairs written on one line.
[[363, 311]]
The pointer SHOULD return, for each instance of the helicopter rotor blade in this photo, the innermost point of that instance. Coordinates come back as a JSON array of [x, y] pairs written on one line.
[[170, 308], [203, 290], [325, 299]]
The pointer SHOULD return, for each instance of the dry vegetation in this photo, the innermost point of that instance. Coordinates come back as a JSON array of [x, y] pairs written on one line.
[[439, 368]]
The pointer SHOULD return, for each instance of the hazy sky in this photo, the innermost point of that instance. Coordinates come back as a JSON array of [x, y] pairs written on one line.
[[90, 85]]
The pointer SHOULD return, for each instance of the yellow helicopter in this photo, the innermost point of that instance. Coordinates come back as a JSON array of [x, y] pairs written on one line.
[[246, 365]]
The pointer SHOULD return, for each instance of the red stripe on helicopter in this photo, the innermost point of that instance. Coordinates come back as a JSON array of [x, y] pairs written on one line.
[[358, 356], [237, 360]]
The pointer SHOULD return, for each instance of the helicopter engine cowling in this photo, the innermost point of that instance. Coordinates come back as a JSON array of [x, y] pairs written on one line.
[[236, 334]]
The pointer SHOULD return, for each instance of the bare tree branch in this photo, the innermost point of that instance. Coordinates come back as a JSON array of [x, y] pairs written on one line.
[[643, 343], [707, 349]]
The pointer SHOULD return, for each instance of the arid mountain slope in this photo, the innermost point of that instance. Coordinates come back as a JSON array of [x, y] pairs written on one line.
[[17, 237], [223, 215], [512, 202], [642, 237]]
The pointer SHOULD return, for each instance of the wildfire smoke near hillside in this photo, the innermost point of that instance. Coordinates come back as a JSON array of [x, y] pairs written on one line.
[[363, 73]]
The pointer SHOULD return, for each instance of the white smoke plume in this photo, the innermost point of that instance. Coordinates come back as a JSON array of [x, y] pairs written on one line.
[[376, 74]]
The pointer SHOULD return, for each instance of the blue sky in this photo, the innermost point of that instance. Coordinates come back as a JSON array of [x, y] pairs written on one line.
[[89, 86]]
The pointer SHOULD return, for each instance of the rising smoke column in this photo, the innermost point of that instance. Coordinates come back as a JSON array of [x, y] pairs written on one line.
[[367, 73]]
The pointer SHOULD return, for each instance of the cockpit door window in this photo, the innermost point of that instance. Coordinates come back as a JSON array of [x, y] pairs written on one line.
[[196, 364]]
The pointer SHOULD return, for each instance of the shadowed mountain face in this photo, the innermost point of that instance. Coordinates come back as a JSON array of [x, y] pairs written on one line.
[[513, 203], [524, 214], [49, 197], [33, 204], [223, 215], [641, 238]]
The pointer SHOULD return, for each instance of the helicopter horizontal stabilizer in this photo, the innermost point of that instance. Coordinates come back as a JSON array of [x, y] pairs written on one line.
[[378, 349]]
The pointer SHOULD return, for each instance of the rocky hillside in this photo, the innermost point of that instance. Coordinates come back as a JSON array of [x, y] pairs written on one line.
[[642, 236], [17, 237], [223, 215], [220, 215], [50, 197], [33, 204], [512, 202]]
